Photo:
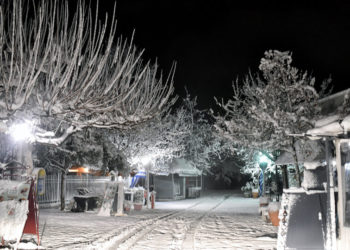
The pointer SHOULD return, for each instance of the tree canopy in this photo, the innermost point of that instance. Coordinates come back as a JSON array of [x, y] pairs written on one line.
[[267, 109]]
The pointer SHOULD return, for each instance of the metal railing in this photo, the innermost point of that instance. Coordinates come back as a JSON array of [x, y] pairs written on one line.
[[51, 198]]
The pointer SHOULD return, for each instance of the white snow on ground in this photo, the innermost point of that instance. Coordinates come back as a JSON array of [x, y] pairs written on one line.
[[27, 246], [13, 217], [222, 220], [13, 209]]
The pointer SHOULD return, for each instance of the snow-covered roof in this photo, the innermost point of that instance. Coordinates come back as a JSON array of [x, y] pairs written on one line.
[[184, 168], [330, 103], [330, 126], [307, 151], [312, 165]]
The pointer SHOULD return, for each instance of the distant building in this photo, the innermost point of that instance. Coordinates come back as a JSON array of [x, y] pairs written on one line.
[[183, 181]]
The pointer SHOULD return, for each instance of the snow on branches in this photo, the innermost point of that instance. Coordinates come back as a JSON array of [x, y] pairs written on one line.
[[265, 109], [184, 133], [203, 148], [73, 68], [158, 140]]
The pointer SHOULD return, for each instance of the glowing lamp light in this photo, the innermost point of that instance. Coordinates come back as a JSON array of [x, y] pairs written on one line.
[[263, 159], [334, 163], [79, 170], [145, 159], [21, 131]]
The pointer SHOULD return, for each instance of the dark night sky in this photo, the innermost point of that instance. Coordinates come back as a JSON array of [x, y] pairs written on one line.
[[214, 42]]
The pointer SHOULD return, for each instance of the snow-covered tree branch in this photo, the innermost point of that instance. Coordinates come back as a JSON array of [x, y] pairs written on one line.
[[266, 109], [159, 140], [61, 72], [73, 68]]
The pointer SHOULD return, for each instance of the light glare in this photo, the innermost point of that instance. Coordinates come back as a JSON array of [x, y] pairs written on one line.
[[263, 158], [21, 131]]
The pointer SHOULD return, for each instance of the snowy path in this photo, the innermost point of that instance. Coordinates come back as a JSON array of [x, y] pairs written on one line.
[[221, 220], [224, 221]]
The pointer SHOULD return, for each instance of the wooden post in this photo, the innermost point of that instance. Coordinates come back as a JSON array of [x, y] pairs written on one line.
[[285, 176], [344, 231], [62, 191], [120, 205], [202, 184], [331, 241], [184, 187], [147, 186], [173, 186], [276, 180]]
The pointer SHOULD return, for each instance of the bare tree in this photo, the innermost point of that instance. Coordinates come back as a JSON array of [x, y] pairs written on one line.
[[65, 72], [265, 111]]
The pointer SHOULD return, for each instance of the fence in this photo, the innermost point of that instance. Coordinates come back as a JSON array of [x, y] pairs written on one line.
[[51, 197]]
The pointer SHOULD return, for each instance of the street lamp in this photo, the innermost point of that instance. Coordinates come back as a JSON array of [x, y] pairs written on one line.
[[263, 162], [21, 131], [22, 134], [146, 162]]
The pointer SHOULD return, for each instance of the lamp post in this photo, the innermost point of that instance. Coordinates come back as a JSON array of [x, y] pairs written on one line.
[[263, 162], [22, 134], [146, 162]]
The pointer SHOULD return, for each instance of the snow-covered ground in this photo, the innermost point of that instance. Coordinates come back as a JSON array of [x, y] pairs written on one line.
[[217, 220]]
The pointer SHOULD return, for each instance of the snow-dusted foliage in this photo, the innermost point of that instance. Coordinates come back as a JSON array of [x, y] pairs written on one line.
[[267, 109], [70, 67], [184, 133], [157, 141], [203, 147]]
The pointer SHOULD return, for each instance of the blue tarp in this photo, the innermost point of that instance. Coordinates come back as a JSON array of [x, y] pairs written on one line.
[[135, 179]]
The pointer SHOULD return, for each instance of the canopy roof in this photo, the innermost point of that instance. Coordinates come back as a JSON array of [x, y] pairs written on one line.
[[184, 168], [307, 151], [330, 126]]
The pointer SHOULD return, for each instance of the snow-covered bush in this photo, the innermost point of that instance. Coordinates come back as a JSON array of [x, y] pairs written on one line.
[[248, 186]]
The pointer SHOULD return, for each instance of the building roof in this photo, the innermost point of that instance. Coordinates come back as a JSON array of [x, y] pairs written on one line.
[[330, 103], [184, 168], [331, 126], [307, 151]]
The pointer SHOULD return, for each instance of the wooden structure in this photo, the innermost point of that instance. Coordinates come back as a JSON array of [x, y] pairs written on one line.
[[343, 179], [183, 181], [334, 130]]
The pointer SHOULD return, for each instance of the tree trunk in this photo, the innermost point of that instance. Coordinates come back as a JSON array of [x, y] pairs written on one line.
[[62, 191], [276, 183], [24, 156], [120, 204], [297, 170], [285, 176]]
